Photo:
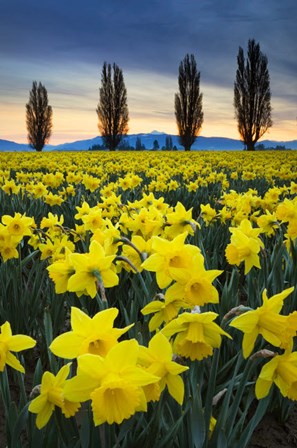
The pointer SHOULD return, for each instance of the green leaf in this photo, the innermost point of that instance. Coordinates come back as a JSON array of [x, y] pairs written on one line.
[[19, 426]]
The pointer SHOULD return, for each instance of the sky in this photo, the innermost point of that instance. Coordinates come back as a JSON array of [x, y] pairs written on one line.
[[63, 45]]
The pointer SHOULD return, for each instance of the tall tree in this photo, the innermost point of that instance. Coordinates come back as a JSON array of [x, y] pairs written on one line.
[[112, 108], [138, 145], [252, 95], [38, 117], [156, 145], [168, 143], [188, 102]]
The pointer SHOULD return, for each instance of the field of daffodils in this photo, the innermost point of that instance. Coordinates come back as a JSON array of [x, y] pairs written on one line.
[[147, 299]]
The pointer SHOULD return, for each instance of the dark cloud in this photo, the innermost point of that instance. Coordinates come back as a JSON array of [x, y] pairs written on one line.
[[151, 37]]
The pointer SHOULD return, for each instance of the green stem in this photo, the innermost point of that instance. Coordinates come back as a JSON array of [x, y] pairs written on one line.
[[59, 426], [4, 391], [23, 395], [121, 258], [221, 421], [102, 302], [238, 396], [129, 243], [210, 393]]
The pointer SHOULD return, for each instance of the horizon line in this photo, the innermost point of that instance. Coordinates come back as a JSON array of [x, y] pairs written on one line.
[[156, 133]]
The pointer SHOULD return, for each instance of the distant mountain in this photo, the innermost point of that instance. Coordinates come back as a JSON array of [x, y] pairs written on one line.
[[79, 145], [201, 144], [6, 145]]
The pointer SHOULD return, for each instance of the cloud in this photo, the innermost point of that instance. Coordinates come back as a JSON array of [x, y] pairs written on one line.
[[152, 35], [64, 44]]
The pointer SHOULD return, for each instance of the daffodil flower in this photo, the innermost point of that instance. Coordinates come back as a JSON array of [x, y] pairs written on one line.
[[180, 220], [196, 334], [60, 272], [87, 269], [167, 255], [8, 245], [163, 310], [88, 335], [157, 359], [51, 395], [268, 223], [208, 213], [194, 285], [114, 383], [18, 225], [265, 321], [282, 371], [245, 246], [12, 343]]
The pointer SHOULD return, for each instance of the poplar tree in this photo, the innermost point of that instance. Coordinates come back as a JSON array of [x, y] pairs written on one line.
[[252, 95], [188, 102], [38, 117], [168, 143], [112, 110]]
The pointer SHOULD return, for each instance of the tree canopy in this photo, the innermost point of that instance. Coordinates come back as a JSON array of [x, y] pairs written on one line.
[[188, 102], [112, 110], [38, 117], [252, 95]]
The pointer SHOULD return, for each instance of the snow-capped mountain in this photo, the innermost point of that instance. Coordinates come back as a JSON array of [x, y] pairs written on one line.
[[148, 142]]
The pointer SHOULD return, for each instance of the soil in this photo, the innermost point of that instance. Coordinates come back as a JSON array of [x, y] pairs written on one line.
[[272, 434]]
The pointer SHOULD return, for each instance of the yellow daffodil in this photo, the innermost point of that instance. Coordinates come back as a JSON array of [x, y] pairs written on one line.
[[53, 223], [53, 199], [194, 285], [88, 335], [265, 321], [164, 311], [18, 225], [146, 222], [208, 213], [286, 211], [169, 254], [291, 234], [10, 187], [12, 343], [180, 220], [293, 188], [245, 246], [282, 371], [268, 223], [51, 395], [109, 238], [133, 252], [8, 245], [90, 182], [93, 219], [197, 334], [39, 190], [87, 269], [157, 359], [82, 211], [60, 272], [114, 383], [56, 248]]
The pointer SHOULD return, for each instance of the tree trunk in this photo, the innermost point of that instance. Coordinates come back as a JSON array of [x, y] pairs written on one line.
[[250, 146]]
